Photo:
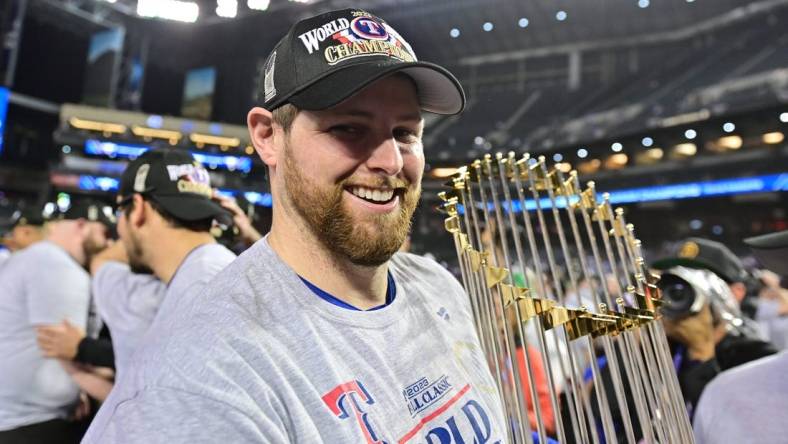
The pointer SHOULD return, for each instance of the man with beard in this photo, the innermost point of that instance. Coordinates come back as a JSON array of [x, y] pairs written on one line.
[[320, 332], [42, 285], [166, 251]]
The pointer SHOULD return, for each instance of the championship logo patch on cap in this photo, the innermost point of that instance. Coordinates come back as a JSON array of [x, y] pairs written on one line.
[[689, 250], [141, 177], [325, 59], [268, 80]]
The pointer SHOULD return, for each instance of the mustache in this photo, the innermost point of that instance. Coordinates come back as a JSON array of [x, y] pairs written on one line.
[[377, 182]]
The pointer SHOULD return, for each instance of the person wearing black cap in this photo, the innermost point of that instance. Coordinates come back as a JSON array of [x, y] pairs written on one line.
[[745, 404], [321, 331], [26, 229], [42, 285], [714, 336], [69, 342], [164, 222]]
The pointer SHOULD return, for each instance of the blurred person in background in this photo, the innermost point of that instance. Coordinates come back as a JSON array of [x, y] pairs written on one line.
[[86, 354], [26, 229], [44, 284], [772, 312], [166, 251], [744, 404], [703, 283]]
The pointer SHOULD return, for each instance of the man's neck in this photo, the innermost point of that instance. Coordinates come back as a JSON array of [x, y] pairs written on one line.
[[70, 245], [363, 287], [171, 249]]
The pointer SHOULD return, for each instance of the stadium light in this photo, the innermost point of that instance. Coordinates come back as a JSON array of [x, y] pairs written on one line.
[[258, 5], [728, 127], [784, 117], [454, 33], [730, 142], [686, 149], [647, 141], [582, 153], [560, 16], [617, 147], [616, 161], [488, 26], [227, 8], [523, 22], [773, 138], [690, 134], [169, 9], [655, 153], [643, 3], [564, 167], [557, 157]]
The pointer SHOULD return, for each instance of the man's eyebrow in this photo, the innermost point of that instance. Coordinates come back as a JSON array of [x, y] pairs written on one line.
[[368, 115]]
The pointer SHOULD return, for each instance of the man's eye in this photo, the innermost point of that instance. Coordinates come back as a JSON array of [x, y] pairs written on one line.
[[406, 135], [345, 130]]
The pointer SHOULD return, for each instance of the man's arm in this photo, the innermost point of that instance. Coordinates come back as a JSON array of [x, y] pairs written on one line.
[[114, 253], [91, 382], [96, 352], [124, 298]]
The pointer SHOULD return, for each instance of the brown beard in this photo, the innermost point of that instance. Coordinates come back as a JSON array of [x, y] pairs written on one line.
[[134, 251], [334, 225]]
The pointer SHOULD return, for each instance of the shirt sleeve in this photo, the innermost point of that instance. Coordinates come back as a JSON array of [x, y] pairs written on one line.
[[166, 415], [58, 291], [124, 297]]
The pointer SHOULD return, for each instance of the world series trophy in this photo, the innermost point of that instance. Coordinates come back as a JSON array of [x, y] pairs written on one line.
[[512, 220]]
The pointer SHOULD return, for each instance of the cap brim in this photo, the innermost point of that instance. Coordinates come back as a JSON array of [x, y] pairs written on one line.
[[768, 241], [192, 208], [664, 264], [438, 90], [771, 250]]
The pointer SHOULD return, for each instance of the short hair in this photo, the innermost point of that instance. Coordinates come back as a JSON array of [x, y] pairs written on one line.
[[201, 225], [284, 116]]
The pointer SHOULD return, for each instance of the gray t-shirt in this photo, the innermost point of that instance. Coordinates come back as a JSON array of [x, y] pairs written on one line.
[[128, 302], [39, 285], [258, 357], [746, 404]]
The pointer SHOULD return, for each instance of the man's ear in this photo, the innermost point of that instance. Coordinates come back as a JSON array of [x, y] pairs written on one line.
[[261, 131], [138, 212]]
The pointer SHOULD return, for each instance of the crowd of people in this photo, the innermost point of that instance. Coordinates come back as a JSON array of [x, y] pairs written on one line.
[[319, 331]]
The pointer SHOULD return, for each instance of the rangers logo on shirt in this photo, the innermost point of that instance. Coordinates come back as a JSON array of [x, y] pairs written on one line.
[[457, 419]]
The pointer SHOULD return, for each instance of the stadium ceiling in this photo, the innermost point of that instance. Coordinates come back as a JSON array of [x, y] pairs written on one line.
[[546, 22]]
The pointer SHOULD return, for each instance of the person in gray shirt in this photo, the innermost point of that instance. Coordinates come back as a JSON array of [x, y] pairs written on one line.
[[165, 216], [745, 404], [44, 284], [322, 332]]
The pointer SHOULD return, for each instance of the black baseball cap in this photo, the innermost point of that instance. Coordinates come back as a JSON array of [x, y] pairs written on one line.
[[33, 216], [88, 209], [706, 254], [325, 59], [771, 250], [177, 182]]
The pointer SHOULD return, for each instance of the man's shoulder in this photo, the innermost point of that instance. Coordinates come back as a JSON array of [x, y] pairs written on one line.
[[41, 256], [760, 371], [415, 265], [211, 259]]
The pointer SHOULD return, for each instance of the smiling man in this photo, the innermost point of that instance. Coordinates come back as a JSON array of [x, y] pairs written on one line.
[[320, 332]]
